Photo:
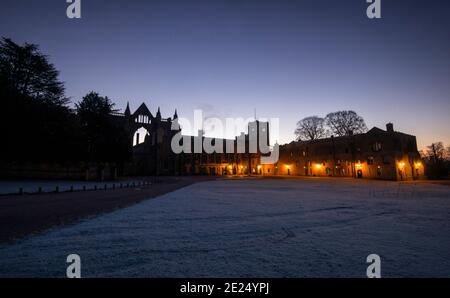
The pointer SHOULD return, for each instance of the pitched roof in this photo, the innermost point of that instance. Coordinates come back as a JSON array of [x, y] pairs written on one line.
[[143, 110]]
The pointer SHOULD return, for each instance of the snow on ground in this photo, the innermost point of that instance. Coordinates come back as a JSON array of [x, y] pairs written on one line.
[[32, 186], [254, 228]]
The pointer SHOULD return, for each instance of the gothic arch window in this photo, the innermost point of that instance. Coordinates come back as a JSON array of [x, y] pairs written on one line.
[[139, 136]]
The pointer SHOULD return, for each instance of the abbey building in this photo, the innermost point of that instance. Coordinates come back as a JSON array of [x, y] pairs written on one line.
[[376, 154]]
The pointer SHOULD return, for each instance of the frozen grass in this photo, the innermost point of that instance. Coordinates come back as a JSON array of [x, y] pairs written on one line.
[[255, 228]]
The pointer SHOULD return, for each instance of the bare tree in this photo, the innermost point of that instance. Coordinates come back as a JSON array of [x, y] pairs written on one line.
[[345, 123], [437, 162], [436, 153], [311, 128]]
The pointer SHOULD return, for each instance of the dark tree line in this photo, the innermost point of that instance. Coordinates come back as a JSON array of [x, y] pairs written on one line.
[[341, 123], [437, 161], [36, 122]]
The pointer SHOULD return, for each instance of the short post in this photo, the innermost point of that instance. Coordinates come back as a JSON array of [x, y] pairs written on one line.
[[57, 189], [21, 191], [71, 188], [39, 189], [114, 186], [95, 187], [106, 186]]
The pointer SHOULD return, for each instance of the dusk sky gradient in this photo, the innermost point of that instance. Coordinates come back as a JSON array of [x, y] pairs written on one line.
[[287, 59]]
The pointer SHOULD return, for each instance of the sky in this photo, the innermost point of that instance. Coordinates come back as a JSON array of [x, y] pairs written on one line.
[[286, 59]]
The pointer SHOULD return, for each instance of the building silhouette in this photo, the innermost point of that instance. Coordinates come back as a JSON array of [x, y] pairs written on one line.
[[376, 154], [153, 155]]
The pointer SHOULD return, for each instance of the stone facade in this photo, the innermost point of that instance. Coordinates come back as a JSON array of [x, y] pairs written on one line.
[[377, 154]]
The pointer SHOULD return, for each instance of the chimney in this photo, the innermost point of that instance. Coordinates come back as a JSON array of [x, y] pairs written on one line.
[[390, 127]]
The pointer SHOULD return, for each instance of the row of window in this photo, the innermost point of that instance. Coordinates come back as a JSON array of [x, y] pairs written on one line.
[[142, 119], [376, 147]]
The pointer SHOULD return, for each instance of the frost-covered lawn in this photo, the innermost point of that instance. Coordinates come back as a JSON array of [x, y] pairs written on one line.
[[254, 228]]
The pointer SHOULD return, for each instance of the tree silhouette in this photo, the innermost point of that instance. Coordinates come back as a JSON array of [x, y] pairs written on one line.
[[437, 162], [345, 123], [104, 139], [34, 121], [36, 124], [25, 72], [310, 128], [436, 152]]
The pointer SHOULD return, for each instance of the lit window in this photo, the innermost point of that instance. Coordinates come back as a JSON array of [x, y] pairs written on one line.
[[376, 146]]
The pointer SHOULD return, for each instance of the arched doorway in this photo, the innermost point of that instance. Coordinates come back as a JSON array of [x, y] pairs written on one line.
[[139, 136]]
